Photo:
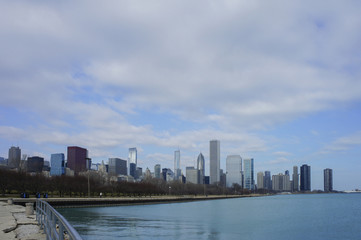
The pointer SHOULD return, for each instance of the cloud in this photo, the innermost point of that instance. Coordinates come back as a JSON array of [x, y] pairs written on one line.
[[343, 143], [91, 75]]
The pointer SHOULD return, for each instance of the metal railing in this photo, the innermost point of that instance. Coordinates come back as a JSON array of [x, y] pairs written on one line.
[[54, 224]]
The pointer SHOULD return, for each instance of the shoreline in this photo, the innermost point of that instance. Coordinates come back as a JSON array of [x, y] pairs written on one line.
[[122, 201]]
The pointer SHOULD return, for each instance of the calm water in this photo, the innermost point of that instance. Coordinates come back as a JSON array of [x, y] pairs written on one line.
[[314, 216]]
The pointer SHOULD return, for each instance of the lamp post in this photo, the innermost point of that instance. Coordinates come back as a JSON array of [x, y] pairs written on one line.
[[169, 189]]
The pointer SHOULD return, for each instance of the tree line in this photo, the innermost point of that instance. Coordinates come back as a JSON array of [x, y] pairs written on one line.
[[12, 182]]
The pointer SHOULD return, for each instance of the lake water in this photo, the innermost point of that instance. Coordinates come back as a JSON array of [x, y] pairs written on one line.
[[302, 216]]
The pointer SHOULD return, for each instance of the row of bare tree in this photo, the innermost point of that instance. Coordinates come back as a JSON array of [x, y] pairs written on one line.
[[18, 182]]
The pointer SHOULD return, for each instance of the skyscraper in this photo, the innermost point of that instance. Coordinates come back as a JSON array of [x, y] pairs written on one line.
[[201, 167], [260, 180], [234, 170], [77, 158], [35, 164], [157, 171], [192, 175], [177, 170], [267, 180], [57, 161], [305, 178], [117, 166], [295, 179], [14, 157], [248, 173], [214, 161], [132, 158], [327, 177], [133, 170]]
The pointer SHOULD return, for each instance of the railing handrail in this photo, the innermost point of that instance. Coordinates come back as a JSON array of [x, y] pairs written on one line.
[[54, 224]]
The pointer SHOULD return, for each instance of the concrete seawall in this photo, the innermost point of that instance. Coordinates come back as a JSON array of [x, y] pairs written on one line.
[[87, 202]]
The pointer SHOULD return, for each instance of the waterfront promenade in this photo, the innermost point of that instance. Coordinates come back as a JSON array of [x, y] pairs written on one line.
[[15, 224]]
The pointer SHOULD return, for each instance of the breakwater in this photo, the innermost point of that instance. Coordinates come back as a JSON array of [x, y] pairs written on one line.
[[114, 201]]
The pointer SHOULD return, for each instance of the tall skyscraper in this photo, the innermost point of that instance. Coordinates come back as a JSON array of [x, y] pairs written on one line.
[[214, 161], [295, 179], [267, 180], [35, 164], [132, 158], [57, 161], [305, 178], [248, 173], [260, 180], [14, 157], [77, 158], [234, 170], [157, 171], [117, 166], [133, 170], [177, 170], [201, 167], [327, 177]]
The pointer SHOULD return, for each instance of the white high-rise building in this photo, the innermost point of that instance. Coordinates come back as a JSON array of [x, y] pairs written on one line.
[[214, 161], [234, 170], [260, 180], [177, 170]]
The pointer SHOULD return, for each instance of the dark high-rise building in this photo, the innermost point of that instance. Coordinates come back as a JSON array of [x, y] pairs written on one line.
[[77, 159], [117, 167], [305, 178], [295, 179], [267, 180], [14, 157], [133, 170], [327, 177], [35, 164], [201, 168], [214, 161], [138, 172]]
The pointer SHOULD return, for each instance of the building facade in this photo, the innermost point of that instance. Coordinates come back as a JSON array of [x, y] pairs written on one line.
[[201, 167], [260, 180], [267, 180], [77, 159], [132, 158], [305, 178], [177, 170], [35, 164], [192, 175], [57, 162], [327, 180], [295, 177], [248, 171], [117, 166], [157, 171], [14, 157], [214, 161], [234, 170]]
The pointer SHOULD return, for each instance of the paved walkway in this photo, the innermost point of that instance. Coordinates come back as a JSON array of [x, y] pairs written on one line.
[[14, 224]]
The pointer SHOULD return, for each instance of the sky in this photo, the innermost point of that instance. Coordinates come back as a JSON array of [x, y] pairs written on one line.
[[278, 81]]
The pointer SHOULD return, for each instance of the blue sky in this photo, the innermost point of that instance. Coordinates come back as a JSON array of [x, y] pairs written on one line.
[[279, 82]]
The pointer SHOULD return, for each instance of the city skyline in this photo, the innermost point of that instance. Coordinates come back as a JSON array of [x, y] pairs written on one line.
[[279, 83]]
